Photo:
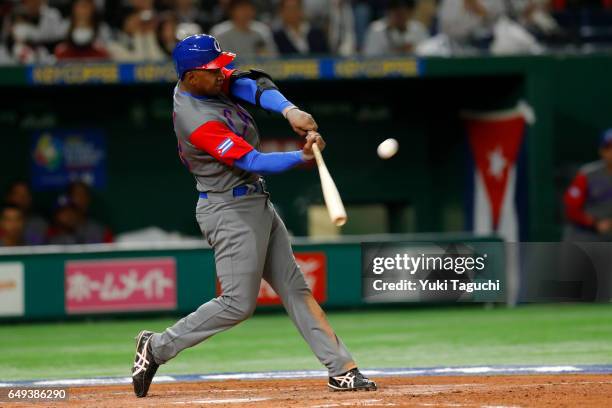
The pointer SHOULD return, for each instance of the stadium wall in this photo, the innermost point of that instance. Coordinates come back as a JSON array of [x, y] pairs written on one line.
[[46, 283]]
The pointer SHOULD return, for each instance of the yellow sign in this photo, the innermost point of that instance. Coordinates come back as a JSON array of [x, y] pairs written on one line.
[[154, 73], [298, 68], [286, 69], [76, 74], [376, 68]]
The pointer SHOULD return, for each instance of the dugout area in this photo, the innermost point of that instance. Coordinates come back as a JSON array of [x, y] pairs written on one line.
[[422, 189]]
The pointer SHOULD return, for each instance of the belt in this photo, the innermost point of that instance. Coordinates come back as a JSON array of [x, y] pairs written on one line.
[[256, 187]]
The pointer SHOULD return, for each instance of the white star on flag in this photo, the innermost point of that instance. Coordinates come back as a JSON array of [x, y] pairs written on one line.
[[497, 163]]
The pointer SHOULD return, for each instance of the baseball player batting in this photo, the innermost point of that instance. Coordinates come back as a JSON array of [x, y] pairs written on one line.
[[218, 142]]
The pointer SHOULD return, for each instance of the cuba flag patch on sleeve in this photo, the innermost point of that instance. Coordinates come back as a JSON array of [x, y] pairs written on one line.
[[224, 147]]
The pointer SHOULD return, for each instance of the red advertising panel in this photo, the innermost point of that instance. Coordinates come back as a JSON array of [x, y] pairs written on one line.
[[120, 285], [314, 268]]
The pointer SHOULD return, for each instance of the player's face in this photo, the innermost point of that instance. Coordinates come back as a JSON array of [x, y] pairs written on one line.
[[11, 222], [291, 12], [606, 153], [20, 196], [80, 197], [206, 82]]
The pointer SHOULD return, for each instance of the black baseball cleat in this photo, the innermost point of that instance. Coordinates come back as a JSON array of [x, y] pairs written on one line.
[[352, 380], [144, 367]]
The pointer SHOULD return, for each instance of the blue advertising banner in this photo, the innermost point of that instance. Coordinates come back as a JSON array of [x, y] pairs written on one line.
[[285, 69], [59, 157]]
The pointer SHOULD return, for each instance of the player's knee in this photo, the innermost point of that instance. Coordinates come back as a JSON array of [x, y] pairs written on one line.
[[244, 311], [240, 307]]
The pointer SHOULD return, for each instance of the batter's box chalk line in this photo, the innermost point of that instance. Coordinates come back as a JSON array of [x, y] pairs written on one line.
[[273, 375]]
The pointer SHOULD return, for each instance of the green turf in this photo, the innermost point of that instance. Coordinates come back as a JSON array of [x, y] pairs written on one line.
[[555, 334]]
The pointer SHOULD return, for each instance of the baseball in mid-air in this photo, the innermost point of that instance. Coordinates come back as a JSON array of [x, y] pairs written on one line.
[[387, 149]]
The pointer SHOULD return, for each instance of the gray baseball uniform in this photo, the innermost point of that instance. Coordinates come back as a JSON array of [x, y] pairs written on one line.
[[249, 239]]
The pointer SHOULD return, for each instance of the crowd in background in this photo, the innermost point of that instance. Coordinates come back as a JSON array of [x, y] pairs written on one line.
[[45, 31], [69, 221]]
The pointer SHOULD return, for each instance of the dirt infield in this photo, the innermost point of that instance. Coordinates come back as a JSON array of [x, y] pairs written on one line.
[[588, 390]]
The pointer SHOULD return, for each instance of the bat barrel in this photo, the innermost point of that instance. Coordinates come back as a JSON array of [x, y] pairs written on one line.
[[333, 202]]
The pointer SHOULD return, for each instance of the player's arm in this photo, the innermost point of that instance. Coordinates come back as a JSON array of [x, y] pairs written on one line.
[[219, 141], [257, 88], [269, 163], [278, 162], [574, 200]]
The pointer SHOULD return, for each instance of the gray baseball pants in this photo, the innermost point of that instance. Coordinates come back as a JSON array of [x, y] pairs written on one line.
[[250, 241]]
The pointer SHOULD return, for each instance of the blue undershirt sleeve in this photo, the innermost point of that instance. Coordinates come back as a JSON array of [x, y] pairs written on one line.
[[269, 163], [271, 99]]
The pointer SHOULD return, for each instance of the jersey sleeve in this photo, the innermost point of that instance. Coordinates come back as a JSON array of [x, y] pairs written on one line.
[[574, 200], [216, 139]]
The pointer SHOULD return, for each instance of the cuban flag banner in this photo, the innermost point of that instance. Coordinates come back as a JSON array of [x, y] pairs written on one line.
[[496, 143]]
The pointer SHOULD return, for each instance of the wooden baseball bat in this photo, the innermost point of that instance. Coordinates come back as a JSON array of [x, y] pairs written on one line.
[[336, 210]]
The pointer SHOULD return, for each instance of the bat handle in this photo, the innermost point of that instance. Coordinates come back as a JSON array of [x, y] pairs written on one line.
[[315, 148], [317, 154]]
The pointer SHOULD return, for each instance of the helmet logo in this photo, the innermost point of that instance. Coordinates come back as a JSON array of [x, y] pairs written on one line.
[[217, 46]]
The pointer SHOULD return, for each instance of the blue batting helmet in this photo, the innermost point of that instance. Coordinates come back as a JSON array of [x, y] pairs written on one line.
[[200, 51]]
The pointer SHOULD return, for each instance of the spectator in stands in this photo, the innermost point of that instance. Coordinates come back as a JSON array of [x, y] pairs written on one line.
[[242, 34], [337, 19], [588, 200], [138, 40], [5, 56], [47, 25], [219, 10], [397, 33], [266, 10], [425, 14], [469, 21], [534, 15], [207, 13], [87, 34], [63, 229], [20, 48], [11, 226], [363, 13], [296, 36], [167, 32], [189, 11], [88, 230], [6, 11], [35, 226], [35, 29]]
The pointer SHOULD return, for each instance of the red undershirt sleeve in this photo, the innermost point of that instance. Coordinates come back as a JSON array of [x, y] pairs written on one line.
[[216, 139], [574, 200]]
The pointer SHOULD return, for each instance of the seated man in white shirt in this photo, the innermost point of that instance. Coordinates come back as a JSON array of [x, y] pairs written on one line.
[[465, 21], [34, 29], [397, 33]]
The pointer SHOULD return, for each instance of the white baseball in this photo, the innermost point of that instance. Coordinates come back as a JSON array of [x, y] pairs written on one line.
[[387, 149]]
